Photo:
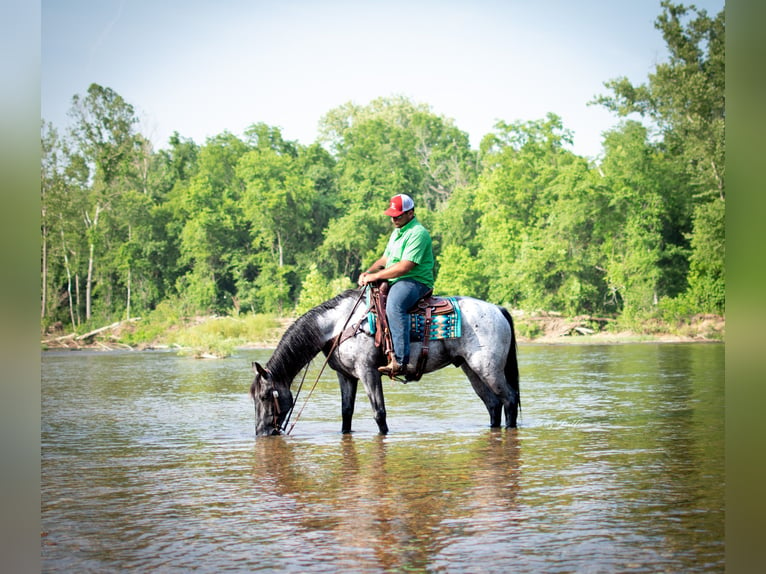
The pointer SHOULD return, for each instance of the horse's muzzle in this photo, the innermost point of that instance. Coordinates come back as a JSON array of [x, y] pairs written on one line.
[[268, 430]]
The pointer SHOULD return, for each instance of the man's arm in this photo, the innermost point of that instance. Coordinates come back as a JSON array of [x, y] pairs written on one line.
[[378, 265], [396, 270]]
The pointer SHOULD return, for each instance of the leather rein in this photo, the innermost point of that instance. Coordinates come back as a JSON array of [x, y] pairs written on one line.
[[337, 340]]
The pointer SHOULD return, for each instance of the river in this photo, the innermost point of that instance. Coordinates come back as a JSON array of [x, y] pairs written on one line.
[[149, 462]]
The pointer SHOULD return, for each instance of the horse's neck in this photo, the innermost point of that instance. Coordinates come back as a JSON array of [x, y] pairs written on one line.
[[309, 335], [332, 322]]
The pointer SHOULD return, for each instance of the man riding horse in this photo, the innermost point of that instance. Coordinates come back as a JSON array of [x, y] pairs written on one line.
[[407, 264], [476, 336]]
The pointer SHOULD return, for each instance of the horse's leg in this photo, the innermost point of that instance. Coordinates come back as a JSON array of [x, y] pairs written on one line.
[[374, 388], [500, 390], [348, 387], [511, 412], [490, 399]]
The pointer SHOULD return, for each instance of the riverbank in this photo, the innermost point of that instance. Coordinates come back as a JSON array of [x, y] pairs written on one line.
[[216, 337], [548, 328]]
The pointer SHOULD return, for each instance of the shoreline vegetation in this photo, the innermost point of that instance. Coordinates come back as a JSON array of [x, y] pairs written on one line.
[[207, 337], [627, 245]]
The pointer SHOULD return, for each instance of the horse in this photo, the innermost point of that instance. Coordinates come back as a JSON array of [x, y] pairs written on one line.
[[485, 351]]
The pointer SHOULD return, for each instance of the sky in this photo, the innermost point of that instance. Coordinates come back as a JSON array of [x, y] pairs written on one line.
[[200, 68]]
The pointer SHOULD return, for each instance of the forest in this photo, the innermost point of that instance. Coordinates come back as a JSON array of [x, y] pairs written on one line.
[[257, 224]]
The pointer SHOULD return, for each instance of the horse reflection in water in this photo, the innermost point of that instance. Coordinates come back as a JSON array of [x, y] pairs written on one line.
[[409, 506], [486, 352]]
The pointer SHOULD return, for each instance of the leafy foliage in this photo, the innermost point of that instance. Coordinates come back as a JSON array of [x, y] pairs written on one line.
[[684, 99], [266, 225]]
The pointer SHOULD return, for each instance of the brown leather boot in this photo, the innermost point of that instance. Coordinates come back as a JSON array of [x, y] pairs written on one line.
[[391, 369]]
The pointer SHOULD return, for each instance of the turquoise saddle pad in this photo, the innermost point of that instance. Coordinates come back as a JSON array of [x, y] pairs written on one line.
[[442, 326]]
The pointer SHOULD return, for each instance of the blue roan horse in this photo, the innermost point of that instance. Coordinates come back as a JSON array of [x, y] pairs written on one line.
[[486, 351]]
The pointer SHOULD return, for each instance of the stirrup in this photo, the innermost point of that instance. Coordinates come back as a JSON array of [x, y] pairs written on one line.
[[391, 369]]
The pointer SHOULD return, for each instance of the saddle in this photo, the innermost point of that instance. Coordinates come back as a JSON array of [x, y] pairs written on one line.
[[428, 306]]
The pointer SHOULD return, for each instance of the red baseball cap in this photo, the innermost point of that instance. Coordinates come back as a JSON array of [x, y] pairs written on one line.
[[399, 204]]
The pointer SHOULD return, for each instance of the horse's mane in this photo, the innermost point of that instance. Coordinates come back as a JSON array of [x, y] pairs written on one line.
[[302, 341]]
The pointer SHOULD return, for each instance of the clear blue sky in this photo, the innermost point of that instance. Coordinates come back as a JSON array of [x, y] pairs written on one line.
[[202, 67]]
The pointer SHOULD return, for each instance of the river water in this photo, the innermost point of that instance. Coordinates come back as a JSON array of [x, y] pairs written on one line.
[[149, 462]]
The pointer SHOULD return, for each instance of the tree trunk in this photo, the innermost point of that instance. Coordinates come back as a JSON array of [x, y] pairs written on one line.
[[89, 284], [127, 311], [68, 270], [69, 289], [92, 224], [44, 302], [77, 292], [130, 276], [89, 334]]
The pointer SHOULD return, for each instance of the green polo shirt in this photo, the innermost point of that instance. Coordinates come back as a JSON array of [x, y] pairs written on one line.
[[412, 243]]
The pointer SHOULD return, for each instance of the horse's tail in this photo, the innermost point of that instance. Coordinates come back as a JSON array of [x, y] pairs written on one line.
[[511, 362]]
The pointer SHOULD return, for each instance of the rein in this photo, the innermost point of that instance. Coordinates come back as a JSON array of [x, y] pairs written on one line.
[[295, 400], [335, 343], [277, 410]]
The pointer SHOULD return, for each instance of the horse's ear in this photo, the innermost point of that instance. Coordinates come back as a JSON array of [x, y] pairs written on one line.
[[258, 369]]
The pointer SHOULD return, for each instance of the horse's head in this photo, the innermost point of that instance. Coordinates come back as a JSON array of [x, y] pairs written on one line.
[[273, 400]]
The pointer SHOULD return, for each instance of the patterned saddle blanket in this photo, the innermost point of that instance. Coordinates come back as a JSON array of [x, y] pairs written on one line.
[[445, 319]]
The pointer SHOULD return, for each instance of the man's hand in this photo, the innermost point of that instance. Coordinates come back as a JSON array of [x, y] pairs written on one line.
[[396, 270], [366, 278]]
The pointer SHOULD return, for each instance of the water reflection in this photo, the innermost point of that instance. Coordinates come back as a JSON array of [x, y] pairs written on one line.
[[149, 463], [391, 504]]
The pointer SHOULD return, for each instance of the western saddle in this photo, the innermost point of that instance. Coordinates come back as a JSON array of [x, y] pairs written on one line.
[[428, 306]]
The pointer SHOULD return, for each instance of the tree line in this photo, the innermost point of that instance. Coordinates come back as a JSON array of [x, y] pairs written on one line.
[[259, 223]]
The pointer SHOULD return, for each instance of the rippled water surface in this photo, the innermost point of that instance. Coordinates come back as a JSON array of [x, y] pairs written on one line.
[[149, 462]]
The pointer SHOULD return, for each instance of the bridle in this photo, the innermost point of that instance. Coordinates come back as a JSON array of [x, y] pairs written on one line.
[[276, 411], [275, 394]]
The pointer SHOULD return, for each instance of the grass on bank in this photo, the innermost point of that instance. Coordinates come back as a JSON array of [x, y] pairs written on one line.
[[216, 336], [219, 336], [547, 326]]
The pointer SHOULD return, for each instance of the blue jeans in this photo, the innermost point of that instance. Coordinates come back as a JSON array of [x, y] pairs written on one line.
[[402, 295]]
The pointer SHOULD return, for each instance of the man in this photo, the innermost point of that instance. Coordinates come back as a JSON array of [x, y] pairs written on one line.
[[408, 265]]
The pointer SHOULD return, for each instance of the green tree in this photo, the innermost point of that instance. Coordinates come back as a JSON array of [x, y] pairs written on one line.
[[174, 165], [525, 252], [131, 255], [62, 179], [684, 98], [104, 135], [458, 221], [707, 287], [460, 273], [278, 200], [349, 241], [214, 231], [51, 190], [171, 171], [557, 267], [632, 219], [296, 187]]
